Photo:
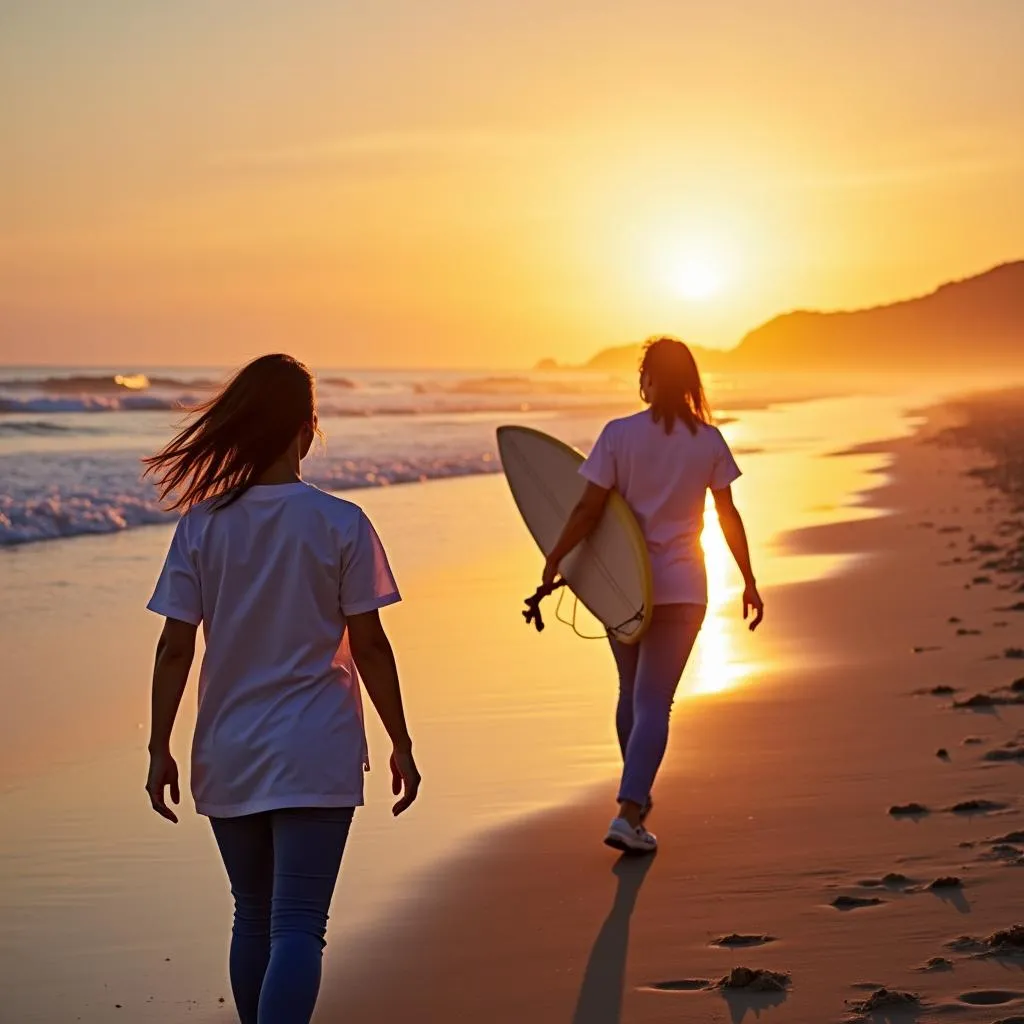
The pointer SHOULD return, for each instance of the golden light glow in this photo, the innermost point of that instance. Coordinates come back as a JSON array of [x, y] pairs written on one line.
[[597, 193], [699, 278], [716, 666]]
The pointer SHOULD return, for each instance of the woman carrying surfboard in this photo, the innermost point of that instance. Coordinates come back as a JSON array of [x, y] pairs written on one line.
[[662, 461]]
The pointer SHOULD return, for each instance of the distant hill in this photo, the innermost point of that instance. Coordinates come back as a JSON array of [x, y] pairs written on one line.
[[977, 323]]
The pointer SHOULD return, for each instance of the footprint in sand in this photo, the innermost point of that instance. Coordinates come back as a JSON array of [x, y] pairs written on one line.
[[680, 985], [738, 941], [989, 997], [856, 902]]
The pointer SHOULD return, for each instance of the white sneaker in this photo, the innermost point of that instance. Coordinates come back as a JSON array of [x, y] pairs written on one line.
[[622, 836]]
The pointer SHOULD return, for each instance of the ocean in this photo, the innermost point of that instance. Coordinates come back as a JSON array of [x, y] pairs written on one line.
[[71, 438]]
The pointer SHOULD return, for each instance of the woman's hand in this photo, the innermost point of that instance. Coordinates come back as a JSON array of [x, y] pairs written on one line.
[[752, 603], [163, 772], [550, 573], [405, 779]]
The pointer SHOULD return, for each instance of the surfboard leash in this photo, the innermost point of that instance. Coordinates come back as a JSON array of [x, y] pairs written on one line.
[[533, 616]]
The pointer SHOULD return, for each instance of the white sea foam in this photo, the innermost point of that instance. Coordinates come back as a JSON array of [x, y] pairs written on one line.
[[106, 494], [70, 442]]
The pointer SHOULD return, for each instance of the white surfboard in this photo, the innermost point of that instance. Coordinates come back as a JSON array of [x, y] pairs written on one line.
[[610, 571]]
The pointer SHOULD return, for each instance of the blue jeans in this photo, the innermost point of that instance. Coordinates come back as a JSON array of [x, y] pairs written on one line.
[[283, 866], [649, 673]]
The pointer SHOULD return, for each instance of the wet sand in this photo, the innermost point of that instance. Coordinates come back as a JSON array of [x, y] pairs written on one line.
[[773, 812]]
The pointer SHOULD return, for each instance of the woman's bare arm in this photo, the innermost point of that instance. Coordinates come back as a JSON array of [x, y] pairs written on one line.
[[175, 651], [580, 524], [736, 538], [375, 660]]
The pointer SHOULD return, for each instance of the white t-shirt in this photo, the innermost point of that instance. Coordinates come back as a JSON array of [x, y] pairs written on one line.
[[665, 479], [271, 578]]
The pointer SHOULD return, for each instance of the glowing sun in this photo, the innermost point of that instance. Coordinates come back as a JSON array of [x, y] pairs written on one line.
[[698, 278]]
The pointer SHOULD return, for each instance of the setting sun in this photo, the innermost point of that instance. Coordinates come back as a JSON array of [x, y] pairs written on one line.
[[698, 278]]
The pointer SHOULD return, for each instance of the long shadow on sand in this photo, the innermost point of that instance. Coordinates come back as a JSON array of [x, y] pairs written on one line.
[[600, 999]]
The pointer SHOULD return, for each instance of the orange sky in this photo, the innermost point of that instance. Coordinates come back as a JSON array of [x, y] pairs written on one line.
[[465, 183]]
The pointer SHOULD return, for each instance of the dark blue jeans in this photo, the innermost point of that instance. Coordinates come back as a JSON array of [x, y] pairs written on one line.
[[649, 673], [283, 866]]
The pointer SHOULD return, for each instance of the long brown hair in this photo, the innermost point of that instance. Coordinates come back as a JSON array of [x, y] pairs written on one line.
[[677, 392], [237, 435]]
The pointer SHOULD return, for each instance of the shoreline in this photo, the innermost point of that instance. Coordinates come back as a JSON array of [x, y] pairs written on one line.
[[507, 723], [500, 931]]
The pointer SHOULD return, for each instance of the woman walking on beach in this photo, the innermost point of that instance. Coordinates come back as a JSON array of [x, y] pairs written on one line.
[[663, 461], [286, 581]]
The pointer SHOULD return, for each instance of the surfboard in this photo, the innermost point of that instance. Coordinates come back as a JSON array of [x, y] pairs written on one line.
[[610, 572]]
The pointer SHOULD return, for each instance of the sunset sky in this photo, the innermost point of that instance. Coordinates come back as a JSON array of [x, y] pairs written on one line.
[[482, 183]]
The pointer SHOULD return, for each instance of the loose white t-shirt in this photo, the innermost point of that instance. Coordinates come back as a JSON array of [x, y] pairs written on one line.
[[665, 479], [271, 578]]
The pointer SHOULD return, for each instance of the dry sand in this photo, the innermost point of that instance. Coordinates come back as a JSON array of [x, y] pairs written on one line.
[[773, 804]]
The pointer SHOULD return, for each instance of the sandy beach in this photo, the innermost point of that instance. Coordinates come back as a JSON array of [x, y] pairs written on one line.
[[789, 748], [775, 810]]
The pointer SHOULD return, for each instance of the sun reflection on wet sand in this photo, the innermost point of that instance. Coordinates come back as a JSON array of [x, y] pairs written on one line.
[[716, 664]]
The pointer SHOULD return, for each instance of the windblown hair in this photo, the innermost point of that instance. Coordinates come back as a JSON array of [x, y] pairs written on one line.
[[678, 393], [236, 436]]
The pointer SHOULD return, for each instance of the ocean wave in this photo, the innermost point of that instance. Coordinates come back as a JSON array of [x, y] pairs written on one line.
[[107, 495], [129, 402], [102, 383], [443, 403], [34, 428]]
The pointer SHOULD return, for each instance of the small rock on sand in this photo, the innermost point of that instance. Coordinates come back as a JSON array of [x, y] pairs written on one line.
[[1005, 851], [953, 619], [970, 741], [755, 980], [1017, 836], [1011, 752], [887, 999], [1007, 942], [979, 700], [1014, 652], [907, 810], [947, 882], [893, 880], [942, 753], [977, 807], [937, 964]]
